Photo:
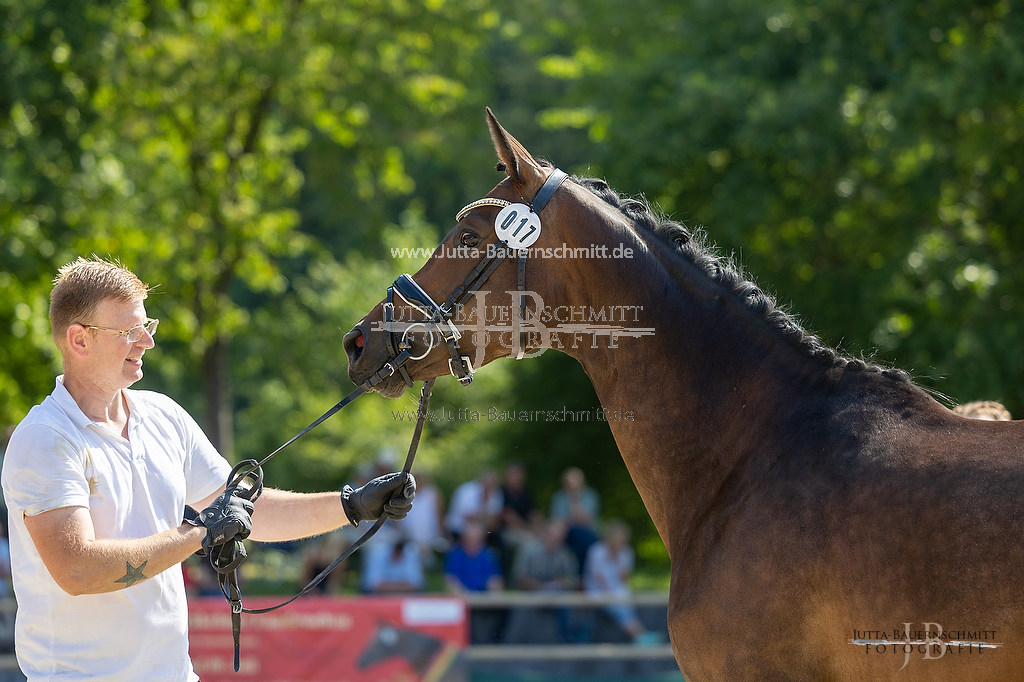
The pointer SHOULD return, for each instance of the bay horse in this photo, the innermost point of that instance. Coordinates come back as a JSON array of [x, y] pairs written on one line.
[[826, 518]]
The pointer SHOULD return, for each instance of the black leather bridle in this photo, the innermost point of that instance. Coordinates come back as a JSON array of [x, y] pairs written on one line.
[[247, 476], [439, 317]]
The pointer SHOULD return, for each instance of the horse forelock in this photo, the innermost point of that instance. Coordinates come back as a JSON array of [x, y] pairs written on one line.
[[693, 245]]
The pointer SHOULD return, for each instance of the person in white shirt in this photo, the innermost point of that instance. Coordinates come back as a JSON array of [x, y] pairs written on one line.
[[392, 567], [608, 567], [96, 480], [476, 501]]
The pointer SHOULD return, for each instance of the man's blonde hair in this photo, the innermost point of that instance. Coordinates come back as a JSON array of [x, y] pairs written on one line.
[[81, 285]]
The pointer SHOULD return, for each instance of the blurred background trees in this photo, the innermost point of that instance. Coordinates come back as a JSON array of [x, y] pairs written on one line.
[[259, 160]]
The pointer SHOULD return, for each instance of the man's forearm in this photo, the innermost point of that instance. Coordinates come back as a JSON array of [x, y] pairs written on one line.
[[117, 564], [80, 563], [282, 515]]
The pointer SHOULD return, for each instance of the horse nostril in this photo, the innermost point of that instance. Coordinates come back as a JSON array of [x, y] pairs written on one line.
[[353, 343]]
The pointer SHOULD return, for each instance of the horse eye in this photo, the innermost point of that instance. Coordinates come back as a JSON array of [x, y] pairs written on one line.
[[468, 239]]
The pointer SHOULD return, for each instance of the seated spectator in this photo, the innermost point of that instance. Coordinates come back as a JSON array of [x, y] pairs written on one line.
[[6, 589], [519, 513], [477, 501], [423, 523], [200, 577], [319, 552], [519, 516], [577, 505], [547, 565], [7, 609], [544, 565], [394, 567], [607, 571], [988, 410], [471, 566]]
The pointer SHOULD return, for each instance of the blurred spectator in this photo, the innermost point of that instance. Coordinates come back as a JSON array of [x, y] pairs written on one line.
[[423, 524], [319, 552], [608, 568], [577, 505], [200, 578], [519, 516], [392, 567], [477, 501], [544, 565], [988, 410], [471, 566], [7, 603], [5, 560], [547, 564], [518, 511]]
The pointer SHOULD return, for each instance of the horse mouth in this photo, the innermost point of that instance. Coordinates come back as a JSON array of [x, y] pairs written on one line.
[[356, 348]]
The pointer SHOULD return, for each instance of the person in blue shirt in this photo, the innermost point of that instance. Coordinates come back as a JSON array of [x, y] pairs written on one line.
[[471, 566]]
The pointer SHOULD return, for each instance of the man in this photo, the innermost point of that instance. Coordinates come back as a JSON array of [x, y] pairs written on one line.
[[544, 565], [96, 479]]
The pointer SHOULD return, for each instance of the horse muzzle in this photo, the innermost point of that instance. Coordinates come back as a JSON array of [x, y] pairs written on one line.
[[367, 359], [379, 350]]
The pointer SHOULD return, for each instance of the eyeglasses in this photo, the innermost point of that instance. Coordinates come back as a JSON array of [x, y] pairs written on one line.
[[134, 334]]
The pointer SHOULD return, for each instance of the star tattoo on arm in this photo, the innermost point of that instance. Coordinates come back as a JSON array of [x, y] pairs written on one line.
[[132, 574]]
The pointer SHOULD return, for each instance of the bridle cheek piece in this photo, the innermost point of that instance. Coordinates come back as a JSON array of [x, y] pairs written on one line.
[[439, 317]]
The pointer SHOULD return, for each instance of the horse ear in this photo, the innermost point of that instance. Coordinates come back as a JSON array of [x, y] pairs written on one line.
[[520, 165]]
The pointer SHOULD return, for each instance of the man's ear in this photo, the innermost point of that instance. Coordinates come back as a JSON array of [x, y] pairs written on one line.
[[77, 340]]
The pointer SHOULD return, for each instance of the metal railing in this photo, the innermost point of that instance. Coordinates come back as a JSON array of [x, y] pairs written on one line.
[[564, 651]]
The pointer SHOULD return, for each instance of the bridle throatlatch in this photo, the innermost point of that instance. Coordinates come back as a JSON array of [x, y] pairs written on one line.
[[247, 476], [439, 317]]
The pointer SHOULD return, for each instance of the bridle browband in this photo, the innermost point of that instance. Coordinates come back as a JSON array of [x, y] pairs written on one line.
[[227, 559], [439, 317]]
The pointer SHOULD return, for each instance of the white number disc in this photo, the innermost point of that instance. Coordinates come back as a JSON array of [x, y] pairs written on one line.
[[517, 226]]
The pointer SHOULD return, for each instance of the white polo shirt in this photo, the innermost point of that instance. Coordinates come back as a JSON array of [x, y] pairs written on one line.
[[133, 488]]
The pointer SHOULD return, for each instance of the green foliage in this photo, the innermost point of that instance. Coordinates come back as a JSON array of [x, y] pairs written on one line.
[[259, 160]]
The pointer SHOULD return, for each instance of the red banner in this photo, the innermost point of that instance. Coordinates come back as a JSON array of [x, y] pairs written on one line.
[[332, 639]]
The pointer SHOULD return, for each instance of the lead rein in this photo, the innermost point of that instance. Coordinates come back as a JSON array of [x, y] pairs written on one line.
[[228, 578]]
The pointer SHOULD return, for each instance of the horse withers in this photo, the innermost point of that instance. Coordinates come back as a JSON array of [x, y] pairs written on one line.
[[826, 518]]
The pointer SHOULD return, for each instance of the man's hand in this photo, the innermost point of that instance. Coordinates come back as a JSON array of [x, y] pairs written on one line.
[[390, 494], [226, 519]]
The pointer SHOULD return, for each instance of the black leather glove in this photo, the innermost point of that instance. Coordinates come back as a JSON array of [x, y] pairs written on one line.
[[390, 494], [229, 517]]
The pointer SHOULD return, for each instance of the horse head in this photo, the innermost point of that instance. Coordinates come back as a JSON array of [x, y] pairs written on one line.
[[391, 641], [481, 294]]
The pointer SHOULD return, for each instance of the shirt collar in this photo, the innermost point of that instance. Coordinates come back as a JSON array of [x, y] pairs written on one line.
[[67, 403]]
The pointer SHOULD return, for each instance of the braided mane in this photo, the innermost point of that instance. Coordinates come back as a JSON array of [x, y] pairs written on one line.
[[693, 246]]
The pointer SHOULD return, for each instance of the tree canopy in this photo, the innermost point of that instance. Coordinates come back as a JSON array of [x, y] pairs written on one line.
[[259, 161]]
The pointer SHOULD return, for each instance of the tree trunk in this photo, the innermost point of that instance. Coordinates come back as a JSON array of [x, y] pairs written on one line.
[[217, 389]]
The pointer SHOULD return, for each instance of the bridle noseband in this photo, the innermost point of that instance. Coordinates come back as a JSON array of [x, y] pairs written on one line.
[[439, 317]]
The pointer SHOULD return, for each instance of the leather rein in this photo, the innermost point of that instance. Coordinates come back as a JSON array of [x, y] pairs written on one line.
[[247, 475]]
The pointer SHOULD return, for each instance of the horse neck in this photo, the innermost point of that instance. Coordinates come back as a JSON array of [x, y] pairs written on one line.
[[704, 390]]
